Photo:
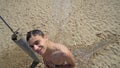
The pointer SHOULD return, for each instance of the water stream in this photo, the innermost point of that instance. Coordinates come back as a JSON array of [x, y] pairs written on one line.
[[84, 55], [60, 12]]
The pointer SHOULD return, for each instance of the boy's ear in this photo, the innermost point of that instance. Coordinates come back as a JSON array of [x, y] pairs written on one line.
[[46, 37]]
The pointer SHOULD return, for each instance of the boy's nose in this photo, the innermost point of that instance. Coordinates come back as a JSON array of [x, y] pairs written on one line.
[[35, 47]]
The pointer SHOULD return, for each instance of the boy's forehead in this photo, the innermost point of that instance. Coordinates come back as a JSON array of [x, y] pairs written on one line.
[[34, 38]]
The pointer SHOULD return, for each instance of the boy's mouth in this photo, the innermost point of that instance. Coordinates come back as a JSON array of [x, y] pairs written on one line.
[[39, 51]]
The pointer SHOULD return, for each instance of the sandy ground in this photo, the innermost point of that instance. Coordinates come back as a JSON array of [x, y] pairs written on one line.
[[79, 24]]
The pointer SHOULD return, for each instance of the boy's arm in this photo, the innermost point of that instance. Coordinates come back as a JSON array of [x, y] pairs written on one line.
[[70, 61]]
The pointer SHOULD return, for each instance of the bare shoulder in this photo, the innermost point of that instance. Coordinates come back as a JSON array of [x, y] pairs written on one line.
[[62, 55], [62, 48]]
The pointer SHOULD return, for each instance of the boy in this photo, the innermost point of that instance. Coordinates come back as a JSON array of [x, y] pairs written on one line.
[[54, 55]]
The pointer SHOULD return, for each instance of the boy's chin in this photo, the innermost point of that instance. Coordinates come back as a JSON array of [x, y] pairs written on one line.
[[41, 53]]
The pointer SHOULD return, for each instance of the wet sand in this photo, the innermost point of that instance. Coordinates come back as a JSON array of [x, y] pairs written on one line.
[[78, 24]]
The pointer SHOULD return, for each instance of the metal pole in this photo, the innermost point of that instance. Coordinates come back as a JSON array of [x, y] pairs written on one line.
[[21, 42], [6, 24]]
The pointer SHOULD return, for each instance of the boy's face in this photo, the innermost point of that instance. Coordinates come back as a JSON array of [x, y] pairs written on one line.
[[38, 43]]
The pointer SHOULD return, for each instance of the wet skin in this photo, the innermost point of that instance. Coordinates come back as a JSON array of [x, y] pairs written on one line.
[[54, 55]]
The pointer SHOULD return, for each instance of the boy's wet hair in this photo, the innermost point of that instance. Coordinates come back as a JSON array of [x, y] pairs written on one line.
[[34, 33]]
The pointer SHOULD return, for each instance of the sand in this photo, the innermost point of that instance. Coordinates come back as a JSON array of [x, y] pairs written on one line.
[[78, 24]]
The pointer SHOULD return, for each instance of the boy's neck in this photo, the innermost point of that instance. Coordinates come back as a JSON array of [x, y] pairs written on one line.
[[50, 48]]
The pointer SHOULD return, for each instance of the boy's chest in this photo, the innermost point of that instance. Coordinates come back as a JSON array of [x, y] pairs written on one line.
[[48, 62], [53, 60]]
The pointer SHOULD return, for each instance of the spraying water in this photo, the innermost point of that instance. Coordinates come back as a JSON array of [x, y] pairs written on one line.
[[60, 12], [85, 54]]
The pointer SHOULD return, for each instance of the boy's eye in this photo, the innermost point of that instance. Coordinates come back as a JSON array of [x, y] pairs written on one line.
[[31, 46], [37, 42]]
